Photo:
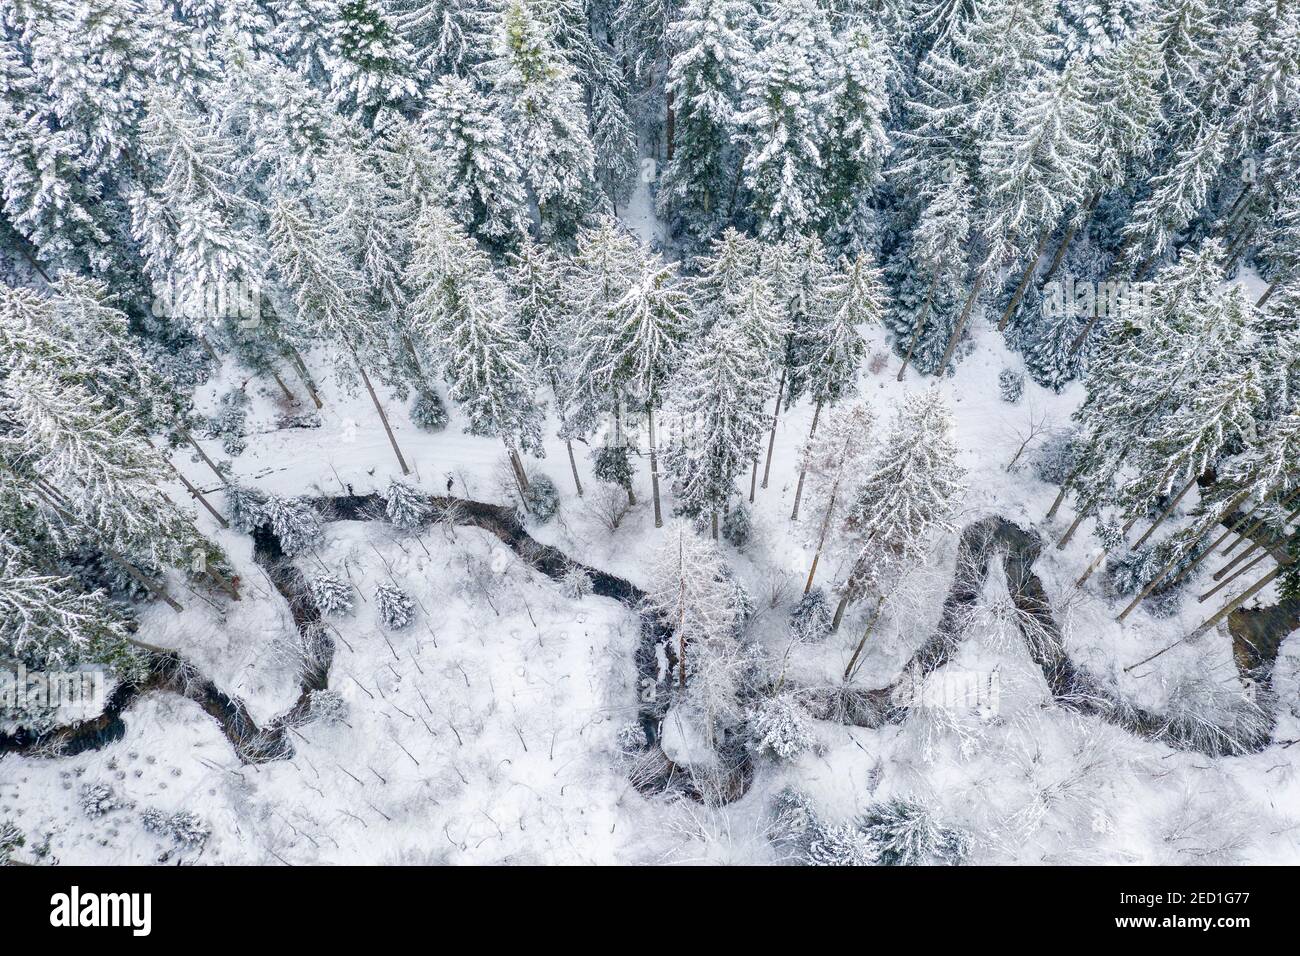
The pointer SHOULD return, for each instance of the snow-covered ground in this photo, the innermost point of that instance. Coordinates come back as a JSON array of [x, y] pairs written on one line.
[[486, 731]]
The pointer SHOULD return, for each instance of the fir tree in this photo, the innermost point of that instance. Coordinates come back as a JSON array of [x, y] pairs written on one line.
[[783, 118], [405, 507], [371, 66], [907, 498], [333, 596], [463, 315], [721, 404], [545, 109], [293, 521], [857, 143], [485, 184], [395, 607], [709, 53]]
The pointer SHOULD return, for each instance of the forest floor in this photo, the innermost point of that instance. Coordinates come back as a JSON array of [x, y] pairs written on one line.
[[487, 730]]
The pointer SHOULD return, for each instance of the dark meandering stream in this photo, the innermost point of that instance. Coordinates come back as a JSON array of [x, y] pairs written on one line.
[[1257, 636]]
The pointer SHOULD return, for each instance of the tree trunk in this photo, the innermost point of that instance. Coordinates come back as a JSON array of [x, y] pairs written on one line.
[[1024, 279], [803, 472], [521, 477], [300, 367], [195, 493], [681, 612], [753, 480], [821, 537], [1272, 287], [1224, 583], [1250, 531], [207, 347], [1240, 246], [573, 464], [1274, 541], [848, 671], [839, 611], [388, 429], [1159, 575], [1237, 602], [1070, 231], [771, 441], [670, 130], [921, 320], [654, 468], [715, 526], [283, 388], [1231, 217], [1069, 532], [223, 582], [1168, 510], [51, 496], [961, 322], [185, 433]]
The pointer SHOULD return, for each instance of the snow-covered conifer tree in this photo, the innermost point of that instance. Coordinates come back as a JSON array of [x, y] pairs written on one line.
[[907, 498], [710, 50], [857, 142], [690, 591], [332, 594], [833, 455], [545, 110], [371, 65], [721, 389], [784, 118], [405, 507], [463, 313], [484, 180], [836, 348], [328, 292]]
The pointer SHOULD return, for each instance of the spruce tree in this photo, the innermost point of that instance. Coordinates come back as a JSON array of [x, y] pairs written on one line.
[[710, 51], [783, 118], [484, 180]]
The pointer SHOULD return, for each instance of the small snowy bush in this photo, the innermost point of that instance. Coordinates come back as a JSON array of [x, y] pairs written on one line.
[[332, 595], [11, 838], [576, 583], [736, 526], [1011, 384], [811, 618], [405, 507], [97, 799], [840, 845], [327, 706], [781, 726], [1057, 457], [245, 508], [632, 739], [185, 827], [542, 498], [396, 609], [794, 818], [613, 465], [428, 412], [229, 423], [904, 833], [294, 522]]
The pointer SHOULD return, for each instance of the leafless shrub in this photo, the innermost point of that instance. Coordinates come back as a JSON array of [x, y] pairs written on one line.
[[1205, 829], [608, 505]]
